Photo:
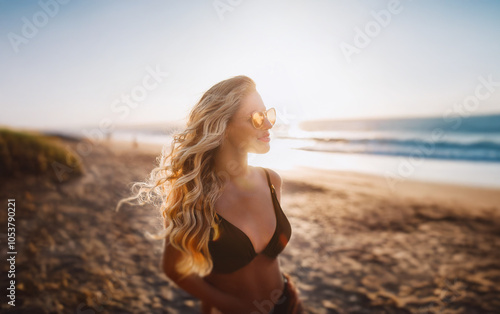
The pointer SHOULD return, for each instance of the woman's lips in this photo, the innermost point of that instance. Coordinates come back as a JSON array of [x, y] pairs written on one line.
[[265, 139]]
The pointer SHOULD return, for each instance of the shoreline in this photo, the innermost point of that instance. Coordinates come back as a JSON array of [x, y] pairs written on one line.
[[411, 188], [473, 173]]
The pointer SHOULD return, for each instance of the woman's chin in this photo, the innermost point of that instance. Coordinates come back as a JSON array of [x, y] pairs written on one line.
[[260, 148]]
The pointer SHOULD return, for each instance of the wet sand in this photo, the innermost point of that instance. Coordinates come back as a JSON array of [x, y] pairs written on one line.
[[357, 245]]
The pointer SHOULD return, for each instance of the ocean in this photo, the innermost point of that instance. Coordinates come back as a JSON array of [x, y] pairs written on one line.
[[457, 150], [475, 138]]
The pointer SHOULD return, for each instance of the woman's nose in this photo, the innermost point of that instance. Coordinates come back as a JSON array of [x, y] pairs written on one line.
[[267, 125]]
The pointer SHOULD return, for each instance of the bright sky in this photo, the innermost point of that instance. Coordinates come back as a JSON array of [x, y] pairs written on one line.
[[78, 63]]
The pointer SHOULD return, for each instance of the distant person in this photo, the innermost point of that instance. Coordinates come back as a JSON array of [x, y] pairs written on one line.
[[218, 211]]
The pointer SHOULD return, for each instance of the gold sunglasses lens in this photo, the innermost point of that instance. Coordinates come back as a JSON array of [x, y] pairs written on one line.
[[271, 115], [258, 119]]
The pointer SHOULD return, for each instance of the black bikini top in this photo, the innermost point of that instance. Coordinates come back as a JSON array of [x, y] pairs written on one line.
[[233, 249]]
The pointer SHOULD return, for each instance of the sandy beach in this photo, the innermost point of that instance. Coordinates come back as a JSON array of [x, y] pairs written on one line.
[[357, 245]]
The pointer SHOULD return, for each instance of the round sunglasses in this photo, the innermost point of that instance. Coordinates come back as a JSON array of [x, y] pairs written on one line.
[[258, 117]]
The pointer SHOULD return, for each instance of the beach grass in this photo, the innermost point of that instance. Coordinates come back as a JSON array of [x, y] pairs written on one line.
[[28, 152]]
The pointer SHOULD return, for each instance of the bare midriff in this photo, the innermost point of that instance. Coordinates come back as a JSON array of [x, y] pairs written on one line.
[[254, 284]]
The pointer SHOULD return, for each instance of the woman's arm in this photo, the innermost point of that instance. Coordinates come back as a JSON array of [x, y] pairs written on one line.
[[197, 287]]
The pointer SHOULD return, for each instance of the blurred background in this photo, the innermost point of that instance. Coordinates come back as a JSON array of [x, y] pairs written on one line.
[[408, 91]]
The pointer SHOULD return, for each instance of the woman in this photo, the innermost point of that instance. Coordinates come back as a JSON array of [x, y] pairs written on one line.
[[218, 211]]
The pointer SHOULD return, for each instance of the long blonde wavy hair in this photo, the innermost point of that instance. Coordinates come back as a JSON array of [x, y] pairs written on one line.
[[184, 185]]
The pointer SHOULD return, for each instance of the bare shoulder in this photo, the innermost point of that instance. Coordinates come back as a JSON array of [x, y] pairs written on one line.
[[276, 179]]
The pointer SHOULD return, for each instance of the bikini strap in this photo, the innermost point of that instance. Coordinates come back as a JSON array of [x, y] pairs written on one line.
[[271, 186]]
